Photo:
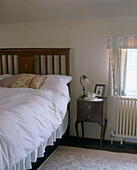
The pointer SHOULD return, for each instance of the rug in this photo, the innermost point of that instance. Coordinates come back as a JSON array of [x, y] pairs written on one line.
[[73, 158]]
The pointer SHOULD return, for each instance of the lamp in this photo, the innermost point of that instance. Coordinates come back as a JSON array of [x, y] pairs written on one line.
[[84, 81]]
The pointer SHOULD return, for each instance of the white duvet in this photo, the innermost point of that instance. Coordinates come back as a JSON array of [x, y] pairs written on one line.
[[28, 117]]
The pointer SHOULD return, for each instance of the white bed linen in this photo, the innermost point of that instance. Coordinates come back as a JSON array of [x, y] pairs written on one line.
[[29, 120]]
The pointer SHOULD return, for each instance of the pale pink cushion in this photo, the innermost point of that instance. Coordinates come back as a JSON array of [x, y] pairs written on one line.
[[37, 81], [7, 82]]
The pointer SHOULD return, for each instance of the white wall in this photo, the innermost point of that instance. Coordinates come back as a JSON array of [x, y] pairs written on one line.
[[88, 42]]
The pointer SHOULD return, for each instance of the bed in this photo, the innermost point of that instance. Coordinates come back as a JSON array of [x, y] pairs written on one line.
[[31, 119]]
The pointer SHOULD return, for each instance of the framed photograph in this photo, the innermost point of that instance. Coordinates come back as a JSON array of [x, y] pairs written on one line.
[[100, 90]]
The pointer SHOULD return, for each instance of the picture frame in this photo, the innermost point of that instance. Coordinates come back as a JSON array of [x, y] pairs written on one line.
[[100, 90]]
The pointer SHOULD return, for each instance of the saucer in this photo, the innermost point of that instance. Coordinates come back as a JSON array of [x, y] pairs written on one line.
[[93, 99], [89, 98]]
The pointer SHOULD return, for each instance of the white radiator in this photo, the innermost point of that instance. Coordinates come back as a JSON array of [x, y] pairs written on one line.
[[126, 118]]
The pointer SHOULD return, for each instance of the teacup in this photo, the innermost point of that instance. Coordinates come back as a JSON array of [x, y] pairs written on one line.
[[90, 94]]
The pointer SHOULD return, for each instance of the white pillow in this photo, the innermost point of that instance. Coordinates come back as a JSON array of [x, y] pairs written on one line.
[[62, 78], [52, 80]]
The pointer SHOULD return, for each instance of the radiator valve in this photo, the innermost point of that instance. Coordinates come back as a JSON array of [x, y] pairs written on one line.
[[112, 136]]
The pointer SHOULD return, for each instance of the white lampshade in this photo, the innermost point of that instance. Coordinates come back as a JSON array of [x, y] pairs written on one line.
[[86, 81]]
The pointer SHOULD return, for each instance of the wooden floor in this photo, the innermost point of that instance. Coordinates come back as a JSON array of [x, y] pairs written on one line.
[[95, 144], [87, 143]]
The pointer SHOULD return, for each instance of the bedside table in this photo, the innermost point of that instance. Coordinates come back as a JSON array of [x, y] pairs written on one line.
[[91, 111]]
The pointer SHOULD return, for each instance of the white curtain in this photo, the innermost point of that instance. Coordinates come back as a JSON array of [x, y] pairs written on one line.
[[118, 62], [117, 72]]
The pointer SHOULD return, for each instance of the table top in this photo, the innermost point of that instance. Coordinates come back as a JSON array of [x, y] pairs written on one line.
[[91, 99]]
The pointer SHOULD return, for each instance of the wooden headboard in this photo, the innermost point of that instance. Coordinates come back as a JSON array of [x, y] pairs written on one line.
[[35, 60]]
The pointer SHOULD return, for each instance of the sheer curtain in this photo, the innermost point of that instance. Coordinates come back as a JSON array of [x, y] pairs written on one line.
[[117, 71], [118, 47]]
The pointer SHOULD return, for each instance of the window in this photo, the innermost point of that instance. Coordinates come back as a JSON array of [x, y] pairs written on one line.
[[123, 72], [131, 72]]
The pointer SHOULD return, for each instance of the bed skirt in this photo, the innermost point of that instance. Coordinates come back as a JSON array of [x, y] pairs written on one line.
[[39, 152]]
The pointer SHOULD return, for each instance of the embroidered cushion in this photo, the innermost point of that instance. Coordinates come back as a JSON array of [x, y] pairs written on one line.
[[23, 80], [37, 81]]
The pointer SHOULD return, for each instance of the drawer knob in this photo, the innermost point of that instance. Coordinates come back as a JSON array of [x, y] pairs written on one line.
[[89, 106]]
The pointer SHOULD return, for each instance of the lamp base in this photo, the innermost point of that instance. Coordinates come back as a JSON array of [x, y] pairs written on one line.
[[84, 96]]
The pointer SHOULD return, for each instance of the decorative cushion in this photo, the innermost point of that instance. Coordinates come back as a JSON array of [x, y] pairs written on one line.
[[37, 81], [7, 82], [2, 76], [22, 81]]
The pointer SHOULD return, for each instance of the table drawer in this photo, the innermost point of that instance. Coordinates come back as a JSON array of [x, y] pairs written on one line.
[[90, 111]]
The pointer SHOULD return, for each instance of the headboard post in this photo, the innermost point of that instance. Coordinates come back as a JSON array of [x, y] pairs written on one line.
[[68, 63], [1, 64], [13, 71], [7, 64]]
